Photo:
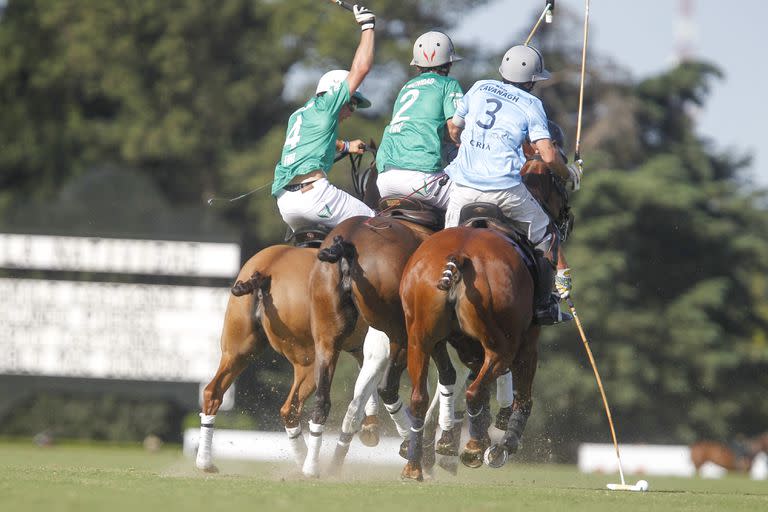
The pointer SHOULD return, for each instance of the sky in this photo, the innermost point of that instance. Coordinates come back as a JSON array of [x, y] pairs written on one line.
[[643, 37]]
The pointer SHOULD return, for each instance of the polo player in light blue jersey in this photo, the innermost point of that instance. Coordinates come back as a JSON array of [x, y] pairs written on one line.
[[493, 120]]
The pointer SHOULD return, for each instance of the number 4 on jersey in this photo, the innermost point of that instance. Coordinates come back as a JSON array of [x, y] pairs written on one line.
[[293, 137]]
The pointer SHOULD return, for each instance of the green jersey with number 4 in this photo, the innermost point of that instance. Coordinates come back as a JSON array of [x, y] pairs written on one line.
[[310, 140], [414, 137]]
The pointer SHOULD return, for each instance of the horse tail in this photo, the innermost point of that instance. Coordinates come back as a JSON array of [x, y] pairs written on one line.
[[258, 282], [342, 252], [451, 272]]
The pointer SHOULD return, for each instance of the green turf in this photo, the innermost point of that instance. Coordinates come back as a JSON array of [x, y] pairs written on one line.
[[113, 479]]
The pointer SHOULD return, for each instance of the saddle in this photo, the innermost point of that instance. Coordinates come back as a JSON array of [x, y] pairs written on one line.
[[310, 236], [412, 210], [490, 216]]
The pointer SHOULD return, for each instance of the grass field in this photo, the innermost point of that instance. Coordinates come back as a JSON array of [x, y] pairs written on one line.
[[103, 478]]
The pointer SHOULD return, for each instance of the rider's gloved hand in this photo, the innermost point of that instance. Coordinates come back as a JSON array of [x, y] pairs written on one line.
[[357, 147], [364, 17], [575, 171], [563, 282]]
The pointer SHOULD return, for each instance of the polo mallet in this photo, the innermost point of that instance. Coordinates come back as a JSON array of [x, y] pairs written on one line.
[[641, 485], [577, 152], [546, 16], [213, 200]]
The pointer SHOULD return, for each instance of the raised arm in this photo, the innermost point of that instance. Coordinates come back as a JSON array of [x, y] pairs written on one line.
[[363, 60]]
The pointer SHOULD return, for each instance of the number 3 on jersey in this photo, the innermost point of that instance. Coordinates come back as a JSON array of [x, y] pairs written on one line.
[[491, 113], [293, 136]]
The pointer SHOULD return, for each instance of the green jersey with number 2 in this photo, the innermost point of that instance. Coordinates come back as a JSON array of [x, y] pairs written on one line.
[[310, 140], [414, 137]]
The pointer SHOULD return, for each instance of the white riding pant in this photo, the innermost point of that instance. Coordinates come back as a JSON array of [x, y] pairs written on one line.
[[321, 203], [516, 202], [424, 186]]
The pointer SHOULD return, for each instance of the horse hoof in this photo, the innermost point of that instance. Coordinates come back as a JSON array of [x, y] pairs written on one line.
[[311, 471], [471, 459], [212, 469], [450, 464], [495, 456], [446, 445], [502, 418], [404, 449], [412, 472], [369, 434]]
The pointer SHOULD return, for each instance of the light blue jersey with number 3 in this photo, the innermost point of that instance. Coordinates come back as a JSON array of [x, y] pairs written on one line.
[[498, 117]]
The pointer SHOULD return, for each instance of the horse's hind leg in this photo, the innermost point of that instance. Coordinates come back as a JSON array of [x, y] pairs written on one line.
[[389, 392], [303, 386], [445, 389], [479, 417], [375, 352], [418, 368], [238, 345], [523, 372]]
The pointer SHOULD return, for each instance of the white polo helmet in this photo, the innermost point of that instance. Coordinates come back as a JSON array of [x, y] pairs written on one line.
[[433, 49], [523, 64], [333, 78]]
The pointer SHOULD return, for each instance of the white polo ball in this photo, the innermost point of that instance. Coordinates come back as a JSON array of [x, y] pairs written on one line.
[[642, 485]]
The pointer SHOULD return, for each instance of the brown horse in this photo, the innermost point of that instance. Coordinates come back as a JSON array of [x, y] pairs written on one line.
[[369, 255], [733, 457], [473, 286]]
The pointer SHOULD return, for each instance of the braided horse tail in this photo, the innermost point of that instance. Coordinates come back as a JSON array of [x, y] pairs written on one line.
[[451, 272], [258, 283], [343, 252]]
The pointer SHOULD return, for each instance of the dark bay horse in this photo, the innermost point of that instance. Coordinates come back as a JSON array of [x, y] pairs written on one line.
[[733, 457], [473, 287], [367, 257]]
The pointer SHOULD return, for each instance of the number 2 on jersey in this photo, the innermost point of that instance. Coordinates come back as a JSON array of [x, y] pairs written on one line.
[[491, 112], [407, 101]]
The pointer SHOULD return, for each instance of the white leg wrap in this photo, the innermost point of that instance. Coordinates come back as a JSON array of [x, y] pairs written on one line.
[[372, 405], [297, 443], [312, 462], [505, 392], [204, 458], [447, 406], [375, 355], [397, 412]]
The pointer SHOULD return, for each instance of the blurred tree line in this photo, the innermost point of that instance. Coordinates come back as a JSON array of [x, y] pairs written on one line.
[[124, 118]]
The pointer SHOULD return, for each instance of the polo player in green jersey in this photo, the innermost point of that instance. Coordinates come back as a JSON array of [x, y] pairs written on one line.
[[410, 159], [304, 195]]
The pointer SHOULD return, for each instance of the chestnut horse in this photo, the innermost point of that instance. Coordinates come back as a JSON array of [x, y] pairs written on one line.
[[270, 305], [472, 286], [730, 457]]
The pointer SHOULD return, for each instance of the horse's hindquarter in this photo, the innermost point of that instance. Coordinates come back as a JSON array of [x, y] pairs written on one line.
[[286, 304], [383, 248]]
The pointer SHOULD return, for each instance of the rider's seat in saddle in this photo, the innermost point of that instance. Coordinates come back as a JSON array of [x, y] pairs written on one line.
[[412, 210], [309, 236], [490, 216]]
